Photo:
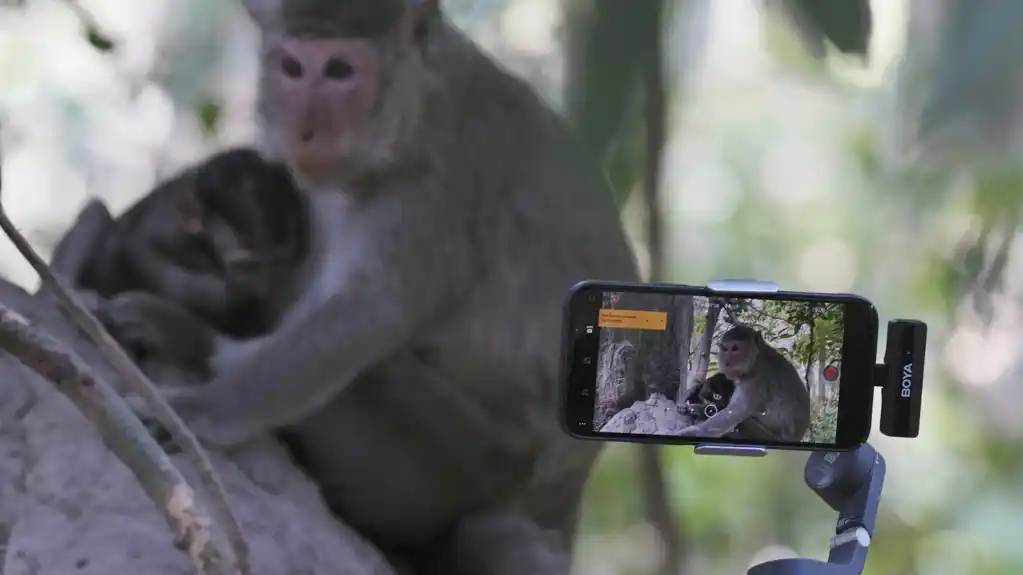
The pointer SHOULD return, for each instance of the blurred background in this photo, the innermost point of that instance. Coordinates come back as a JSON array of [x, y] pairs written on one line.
[[832, 145]]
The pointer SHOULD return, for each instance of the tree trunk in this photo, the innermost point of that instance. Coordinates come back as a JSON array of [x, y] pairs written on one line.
[[703, 354], [684, 325], [810, 353], [68, 506], [823, 385]]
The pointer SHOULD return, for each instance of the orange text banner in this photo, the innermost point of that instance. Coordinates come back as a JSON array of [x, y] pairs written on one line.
[[633, 319]]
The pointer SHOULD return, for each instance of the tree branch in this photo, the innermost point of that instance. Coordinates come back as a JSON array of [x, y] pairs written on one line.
[[656, 490], [140, 384], [124, 434]]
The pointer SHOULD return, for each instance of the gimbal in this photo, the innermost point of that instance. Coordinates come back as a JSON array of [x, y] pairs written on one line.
[[850, 482]]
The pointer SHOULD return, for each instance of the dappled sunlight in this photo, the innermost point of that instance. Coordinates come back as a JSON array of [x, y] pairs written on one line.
[[951, 552], [979, 354], [704, 191], [529, 26], [923, 479], [633, 550], [829, 266], [771, 553], [981, 358], [797, 168]]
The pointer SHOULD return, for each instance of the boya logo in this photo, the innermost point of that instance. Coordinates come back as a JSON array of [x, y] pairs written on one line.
[[907, 380]]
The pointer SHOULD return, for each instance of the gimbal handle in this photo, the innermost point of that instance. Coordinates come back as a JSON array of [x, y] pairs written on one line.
[[849, 482]]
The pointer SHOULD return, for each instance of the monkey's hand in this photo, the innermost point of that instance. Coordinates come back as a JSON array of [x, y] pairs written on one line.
[[187, 404], [739, 409], [192, 406], [152, 329], [195, 409], [693, 392], [157, 330]]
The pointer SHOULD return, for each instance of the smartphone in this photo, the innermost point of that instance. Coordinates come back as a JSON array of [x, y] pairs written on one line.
[[664, 364]]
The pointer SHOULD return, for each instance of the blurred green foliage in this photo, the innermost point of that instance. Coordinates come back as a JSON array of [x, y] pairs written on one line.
[[609, 46]]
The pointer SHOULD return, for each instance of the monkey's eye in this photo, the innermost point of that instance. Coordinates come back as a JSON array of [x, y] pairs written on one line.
[[291, 67], [338, 69]]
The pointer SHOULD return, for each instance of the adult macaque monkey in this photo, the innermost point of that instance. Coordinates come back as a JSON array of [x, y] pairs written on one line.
[[770, 402], [451, 213]]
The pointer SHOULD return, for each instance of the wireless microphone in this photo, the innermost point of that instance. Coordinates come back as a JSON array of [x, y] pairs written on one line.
[[902, 378]]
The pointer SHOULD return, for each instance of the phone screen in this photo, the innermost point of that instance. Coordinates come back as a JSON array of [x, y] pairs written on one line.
[[684, 365]]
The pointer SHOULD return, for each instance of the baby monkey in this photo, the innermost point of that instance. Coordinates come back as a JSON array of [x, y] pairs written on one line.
[[707, 399], [217, 238]]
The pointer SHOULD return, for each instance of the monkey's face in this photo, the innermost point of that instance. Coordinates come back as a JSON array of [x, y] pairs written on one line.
[[337, 90], [244, 265], [736, 357], [252, 219]]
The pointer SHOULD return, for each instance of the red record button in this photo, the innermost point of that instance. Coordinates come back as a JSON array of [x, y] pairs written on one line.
[[830, 372]]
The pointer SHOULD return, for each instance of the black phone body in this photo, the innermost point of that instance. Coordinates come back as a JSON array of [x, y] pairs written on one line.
[[604, 320]]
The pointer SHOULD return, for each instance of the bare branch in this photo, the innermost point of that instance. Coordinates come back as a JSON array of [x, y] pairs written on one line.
[[140, 384], [126, 437]]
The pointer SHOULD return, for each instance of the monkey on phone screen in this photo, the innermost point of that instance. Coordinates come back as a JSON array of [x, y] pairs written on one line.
[[770, 401], [451, 213], [213, 238], [715, 391]]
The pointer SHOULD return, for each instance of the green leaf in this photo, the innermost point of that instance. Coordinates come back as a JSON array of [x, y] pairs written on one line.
[[978, 66], [624, 166], [607, 44], [848, 24], [98, 40], [210, 113]]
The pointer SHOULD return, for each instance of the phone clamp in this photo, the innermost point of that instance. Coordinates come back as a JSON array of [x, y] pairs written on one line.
[[849, 482]]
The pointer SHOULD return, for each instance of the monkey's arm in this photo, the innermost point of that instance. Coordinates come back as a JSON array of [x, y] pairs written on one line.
[[403, 261], [693, 392], [207, 294], [155, 330], [742, 406], [753, 429]]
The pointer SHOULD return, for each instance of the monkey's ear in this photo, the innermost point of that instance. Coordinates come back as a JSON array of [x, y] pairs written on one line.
[[266, 13]]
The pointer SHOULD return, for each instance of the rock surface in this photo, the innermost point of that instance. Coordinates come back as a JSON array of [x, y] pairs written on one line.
[[69, 506], [658, 415]]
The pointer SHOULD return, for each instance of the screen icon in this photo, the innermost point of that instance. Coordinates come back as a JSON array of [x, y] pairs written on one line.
[[831, 371], [589, 330], [587, 361]]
